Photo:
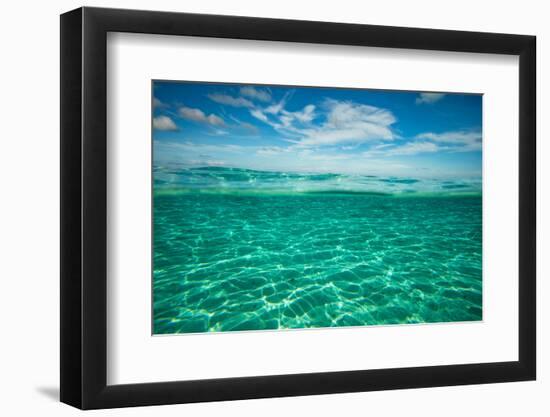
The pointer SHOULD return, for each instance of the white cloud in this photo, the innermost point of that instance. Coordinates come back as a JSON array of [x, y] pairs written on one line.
[[349, 122], [256, 93], [334, 136], [413, 148], [346, 122], [207, 162], [382, 146], [457, 141], [461, 141], [230, 100], [158, 103], [198, 115], [452, 137], [271, 150], [164, 123], [218, 132], [276, 108], [428, 98], [258, 114], [306, 115], [345, 113]]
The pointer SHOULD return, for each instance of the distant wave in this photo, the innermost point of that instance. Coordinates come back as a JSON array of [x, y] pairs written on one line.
[[222, 180]]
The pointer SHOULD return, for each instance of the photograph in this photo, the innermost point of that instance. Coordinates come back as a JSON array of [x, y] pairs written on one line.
[[318, 203], [295, 207]]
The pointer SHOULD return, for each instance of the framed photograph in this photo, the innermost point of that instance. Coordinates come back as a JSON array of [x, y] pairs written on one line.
[[256, 208]]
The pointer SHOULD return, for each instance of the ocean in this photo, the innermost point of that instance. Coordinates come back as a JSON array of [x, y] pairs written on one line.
[[237, 249]]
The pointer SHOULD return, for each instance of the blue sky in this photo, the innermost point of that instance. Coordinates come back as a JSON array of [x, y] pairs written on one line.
[[303, 129]]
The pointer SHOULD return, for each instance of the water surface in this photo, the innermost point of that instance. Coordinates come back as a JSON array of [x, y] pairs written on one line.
[[239, 249]]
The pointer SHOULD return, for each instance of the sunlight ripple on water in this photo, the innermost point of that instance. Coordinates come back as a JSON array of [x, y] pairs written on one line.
[[246, 250]]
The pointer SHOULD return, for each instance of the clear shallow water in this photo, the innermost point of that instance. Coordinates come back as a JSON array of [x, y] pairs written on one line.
[[246, 250]]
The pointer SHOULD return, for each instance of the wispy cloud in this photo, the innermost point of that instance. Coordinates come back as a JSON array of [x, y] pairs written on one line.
[[428, 98], [247, 127], [256, 93], [271, 150], [228, 100], [258, 114], [412, 148], [198, 115], [460, 141], [454, 141], [280, 105], [218, 132], [164, 123], [208, 162]]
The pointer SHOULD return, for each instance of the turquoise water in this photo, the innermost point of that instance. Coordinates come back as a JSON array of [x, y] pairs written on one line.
[[247, 250]]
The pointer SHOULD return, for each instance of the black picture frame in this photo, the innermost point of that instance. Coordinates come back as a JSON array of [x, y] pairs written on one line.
[[84, 207]]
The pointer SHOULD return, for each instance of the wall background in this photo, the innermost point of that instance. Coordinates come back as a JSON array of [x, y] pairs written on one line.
[[29, 225]]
